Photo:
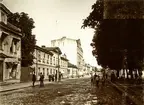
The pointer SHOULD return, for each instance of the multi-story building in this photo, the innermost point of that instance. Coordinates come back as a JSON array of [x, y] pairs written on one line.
[[43, 62], [10, 48], [72, 48], [55, 59], [48, 61]]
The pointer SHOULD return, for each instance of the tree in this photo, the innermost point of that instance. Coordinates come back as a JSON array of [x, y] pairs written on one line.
[[26, 24], [114, 35]]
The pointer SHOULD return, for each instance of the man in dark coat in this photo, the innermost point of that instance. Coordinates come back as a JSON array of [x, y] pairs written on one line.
[[33, 79]]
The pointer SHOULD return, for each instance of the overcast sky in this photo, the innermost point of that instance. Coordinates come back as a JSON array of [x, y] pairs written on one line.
[[57, 18]]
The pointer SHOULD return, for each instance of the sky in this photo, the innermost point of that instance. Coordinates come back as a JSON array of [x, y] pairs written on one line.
[[57, 18]]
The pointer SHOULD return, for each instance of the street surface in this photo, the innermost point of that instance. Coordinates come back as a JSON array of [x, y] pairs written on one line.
[[69, 92]]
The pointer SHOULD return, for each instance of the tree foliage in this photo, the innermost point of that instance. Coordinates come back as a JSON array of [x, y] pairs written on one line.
[[26, 24], [113, 36]]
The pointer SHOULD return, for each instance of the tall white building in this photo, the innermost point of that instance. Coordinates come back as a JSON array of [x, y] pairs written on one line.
[[72, 48]]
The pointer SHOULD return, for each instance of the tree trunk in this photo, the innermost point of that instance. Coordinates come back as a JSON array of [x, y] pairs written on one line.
[[118, 73], [131, 74], [127, 73]]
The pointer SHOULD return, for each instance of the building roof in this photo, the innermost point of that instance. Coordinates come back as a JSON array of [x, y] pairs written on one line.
[[5, 9], [11, 28], [64, 37], [64, 59], [70, 65], [55, 49], [43, 49]]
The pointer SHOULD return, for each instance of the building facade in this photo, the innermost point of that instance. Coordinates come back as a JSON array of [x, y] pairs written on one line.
[[64, 66], [72, 71], [72, 48], [10, 48], [43, 62]]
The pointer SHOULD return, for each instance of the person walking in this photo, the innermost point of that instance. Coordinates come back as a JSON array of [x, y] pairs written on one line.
[[55, 77], [41, 80], [97, 78], [59, 76], [33, 79]]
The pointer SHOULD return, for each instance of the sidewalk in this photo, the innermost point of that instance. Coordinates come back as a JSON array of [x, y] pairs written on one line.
[[20, 86], [28, 84]]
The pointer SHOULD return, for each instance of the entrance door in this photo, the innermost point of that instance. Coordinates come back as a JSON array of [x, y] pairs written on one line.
[[1, 70]]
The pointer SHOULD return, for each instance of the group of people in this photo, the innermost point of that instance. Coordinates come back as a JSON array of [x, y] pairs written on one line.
[[53, 77], [41, 79], [95, 80]]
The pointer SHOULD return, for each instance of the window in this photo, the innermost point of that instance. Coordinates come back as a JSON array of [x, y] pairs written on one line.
[[39, 57], [3, 17], [44, 55], [43, 71], [39, 70], [51, 60], [54, 61], [47, 59], [47, 71], [11, 48], [51, 71], [14, 47]]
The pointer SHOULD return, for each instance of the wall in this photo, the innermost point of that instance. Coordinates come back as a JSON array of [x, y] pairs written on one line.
[[26, 74]]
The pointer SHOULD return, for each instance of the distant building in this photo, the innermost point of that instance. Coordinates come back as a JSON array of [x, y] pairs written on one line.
[[54, 60], [64, 66], [72, 70], [10, 48], [72, 48]]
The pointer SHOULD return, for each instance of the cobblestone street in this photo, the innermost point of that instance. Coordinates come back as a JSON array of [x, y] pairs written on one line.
[[69, 92]]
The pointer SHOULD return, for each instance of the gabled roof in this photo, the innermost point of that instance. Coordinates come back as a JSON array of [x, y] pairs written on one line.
[[55, 49], [70, 65], [43, 49], [11, 28], [64, 59]]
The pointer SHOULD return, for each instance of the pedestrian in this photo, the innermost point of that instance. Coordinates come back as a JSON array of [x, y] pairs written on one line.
[[97, 79], [53, 77], [41, 80], [33, 79], [59, 76], [112, 77], [56, 77]]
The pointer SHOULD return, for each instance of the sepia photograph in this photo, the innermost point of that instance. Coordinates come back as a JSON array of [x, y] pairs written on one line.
[[71, 52]]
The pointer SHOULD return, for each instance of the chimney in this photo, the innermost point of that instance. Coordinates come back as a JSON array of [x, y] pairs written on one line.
[[43, 46]]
